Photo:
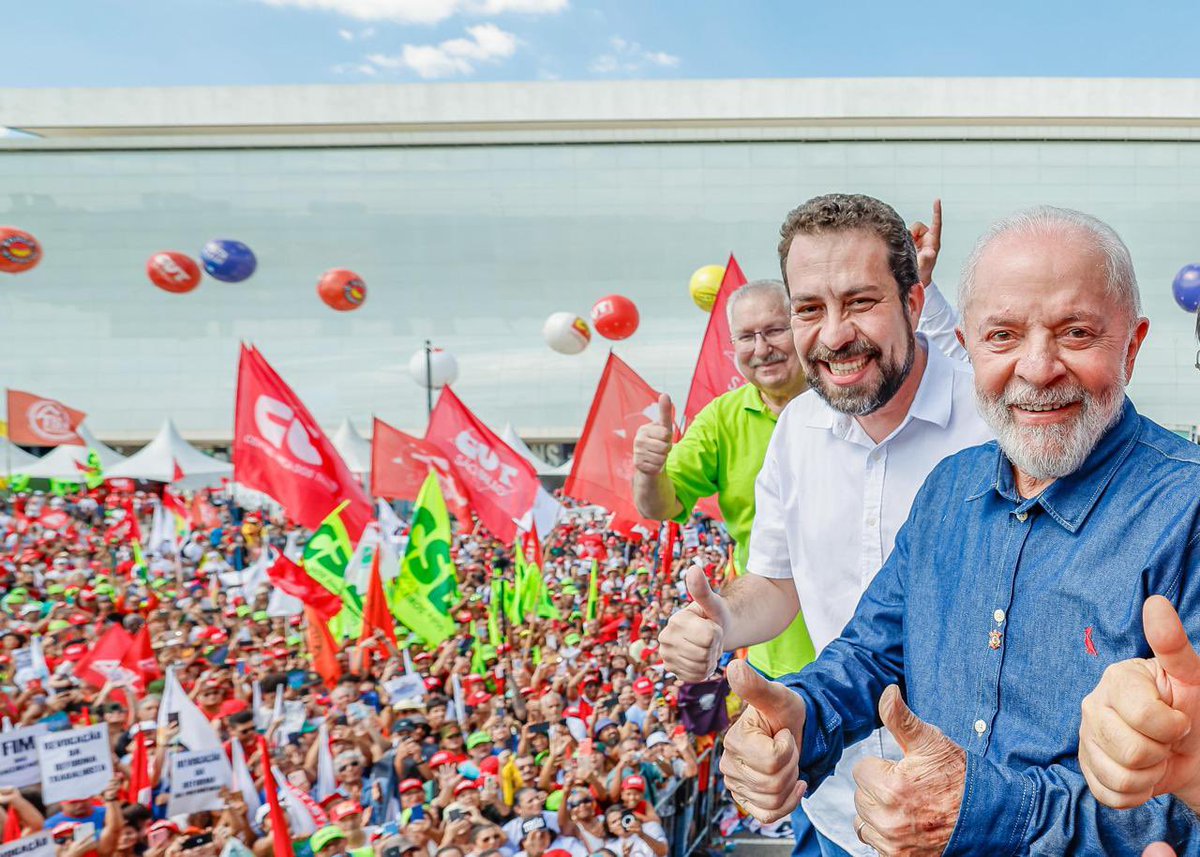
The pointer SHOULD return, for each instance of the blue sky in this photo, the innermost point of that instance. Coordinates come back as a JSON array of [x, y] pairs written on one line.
[[221, 42]]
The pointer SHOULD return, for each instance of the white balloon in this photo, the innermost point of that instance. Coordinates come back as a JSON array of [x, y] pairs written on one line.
[[566, 333], [442, 366]]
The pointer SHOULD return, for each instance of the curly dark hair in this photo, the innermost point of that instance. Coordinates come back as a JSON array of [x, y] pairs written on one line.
[[843, 212]]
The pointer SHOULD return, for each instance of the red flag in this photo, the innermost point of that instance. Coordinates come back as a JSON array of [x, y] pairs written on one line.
[[603, 468], [139, 659], [104, 661], [400, 463], [279, 449], [204, 514], [141, 787], [281, 837], [322, 648], [37, 421], [296, 582], [500, 484], [177, 473], [376, 615], [716, 372], [12, 825]]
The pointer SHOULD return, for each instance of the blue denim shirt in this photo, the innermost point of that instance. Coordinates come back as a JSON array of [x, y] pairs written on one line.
[[996, 615]]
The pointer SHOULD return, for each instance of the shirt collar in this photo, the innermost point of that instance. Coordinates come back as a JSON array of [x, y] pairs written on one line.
[[1069, 500], [932, 402]]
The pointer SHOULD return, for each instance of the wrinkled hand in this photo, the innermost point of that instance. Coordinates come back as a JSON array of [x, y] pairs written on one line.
[[929, 242], [761, 762], [693, 640], [1137, 735], [909, 807], [652, 443]]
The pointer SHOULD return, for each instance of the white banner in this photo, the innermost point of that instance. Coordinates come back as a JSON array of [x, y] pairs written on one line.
[[38, 845], [76, 764], [19, 757], [407, 686], [197, 777]]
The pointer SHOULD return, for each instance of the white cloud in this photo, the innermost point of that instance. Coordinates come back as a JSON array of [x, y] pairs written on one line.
[[347, 35], [423, 11], [360, 35], [452, 57], [627, 57]]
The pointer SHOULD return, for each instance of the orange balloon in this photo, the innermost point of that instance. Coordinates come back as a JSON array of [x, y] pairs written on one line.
[[173, 272], [19, 251], [342, 290]]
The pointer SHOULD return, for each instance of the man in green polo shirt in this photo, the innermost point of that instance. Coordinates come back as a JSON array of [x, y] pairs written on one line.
[[724, 447]]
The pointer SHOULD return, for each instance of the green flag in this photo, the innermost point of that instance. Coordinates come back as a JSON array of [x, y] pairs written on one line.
[[93, 470], [546, 609], [478, 664], [427, 588], [18, 483], [593, 602], [62, 487], [326, 556]]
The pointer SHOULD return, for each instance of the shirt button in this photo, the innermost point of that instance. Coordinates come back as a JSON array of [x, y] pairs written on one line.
[[980, 727], [1021, 516], [998, 616]]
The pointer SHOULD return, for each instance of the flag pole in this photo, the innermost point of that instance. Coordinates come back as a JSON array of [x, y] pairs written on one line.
[[428, 378]]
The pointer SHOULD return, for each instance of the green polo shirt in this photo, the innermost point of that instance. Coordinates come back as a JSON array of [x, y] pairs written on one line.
[[721, 453]]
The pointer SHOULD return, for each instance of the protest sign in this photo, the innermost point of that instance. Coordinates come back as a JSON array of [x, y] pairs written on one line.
[[197, 777], [76, 764], [18, 756], [38, 845], [407, 686]]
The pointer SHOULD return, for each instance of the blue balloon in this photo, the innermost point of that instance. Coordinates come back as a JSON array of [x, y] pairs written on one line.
[[1186, 287], [228, 261]]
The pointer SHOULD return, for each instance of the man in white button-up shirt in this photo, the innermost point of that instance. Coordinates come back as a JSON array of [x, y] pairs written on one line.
[[847, 457]]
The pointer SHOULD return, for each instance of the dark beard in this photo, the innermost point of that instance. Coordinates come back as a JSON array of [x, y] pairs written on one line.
[[861, 401]]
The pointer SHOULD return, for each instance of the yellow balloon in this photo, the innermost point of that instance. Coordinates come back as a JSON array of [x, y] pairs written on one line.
[[705, 284]]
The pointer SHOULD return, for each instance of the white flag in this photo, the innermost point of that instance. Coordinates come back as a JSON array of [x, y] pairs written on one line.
[[326, 782], [195, 732], [243, 781]]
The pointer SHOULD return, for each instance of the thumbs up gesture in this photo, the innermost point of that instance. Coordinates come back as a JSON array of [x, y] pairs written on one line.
[[653, 441], [911, 806], [1136, 735], [693, 640], [761, 762]]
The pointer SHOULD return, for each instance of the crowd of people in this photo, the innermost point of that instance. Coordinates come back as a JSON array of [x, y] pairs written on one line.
[[565, 736]]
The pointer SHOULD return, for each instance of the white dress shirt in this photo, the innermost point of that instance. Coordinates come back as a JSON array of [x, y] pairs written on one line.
[[829, 502]]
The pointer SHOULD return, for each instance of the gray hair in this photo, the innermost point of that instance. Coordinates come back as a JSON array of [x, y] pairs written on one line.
[[1118, 265], [775, 288]]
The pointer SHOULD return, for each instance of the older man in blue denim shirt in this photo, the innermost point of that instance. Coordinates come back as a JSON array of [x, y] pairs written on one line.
[[1012, 586]]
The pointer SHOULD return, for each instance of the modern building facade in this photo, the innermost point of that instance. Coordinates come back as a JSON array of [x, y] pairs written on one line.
[[473, 211]]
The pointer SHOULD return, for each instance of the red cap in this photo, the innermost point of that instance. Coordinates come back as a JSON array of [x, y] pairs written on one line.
[[78, 619], [75, 651], [490, 765], [465, 786], [643, 687], [478, 698], [347, 807], [411, 784], [442, 757], [232, 706], [635, 782]]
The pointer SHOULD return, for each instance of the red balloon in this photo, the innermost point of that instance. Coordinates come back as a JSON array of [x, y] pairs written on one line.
[[615, 317], [19, 251], [342, 290], [173, 272]]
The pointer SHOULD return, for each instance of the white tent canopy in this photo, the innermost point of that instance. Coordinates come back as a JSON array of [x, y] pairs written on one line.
[[354, 449], [510, 436], [156, 462], [66, 462], [13, 459]]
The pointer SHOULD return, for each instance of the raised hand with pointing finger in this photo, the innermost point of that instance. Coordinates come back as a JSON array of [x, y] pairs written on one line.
[[694, 638], [1137, 736], [909, 807], [761, 762], [929, 243]]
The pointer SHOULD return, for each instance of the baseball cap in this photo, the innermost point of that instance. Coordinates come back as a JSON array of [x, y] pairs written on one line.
[[324, 836], [603, 724], [465, 785], [643, 686], [442, 757], [477, 738], [657, 738], [635, 783], [343, 809], [411, 784]]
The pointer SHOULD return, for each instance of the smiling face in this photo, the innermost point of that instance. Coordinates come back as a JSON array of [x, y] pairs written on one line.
[[1052, 348], [853, 331], [762, 347]]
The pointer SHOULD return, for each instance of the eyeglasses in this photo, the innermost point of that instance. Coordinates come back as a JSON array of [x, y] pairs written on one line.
[[578, 802], [772, 335]]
